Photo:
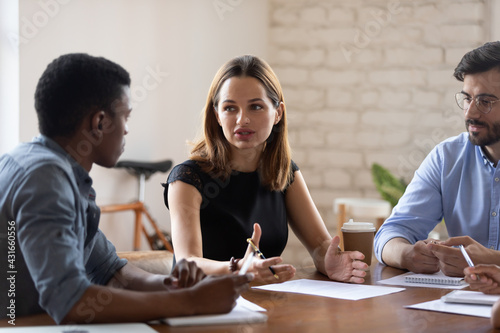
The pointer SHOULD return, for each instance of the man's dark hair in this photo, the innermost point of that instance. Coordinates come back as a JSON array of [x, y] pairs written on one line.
[[479, 60], [73, 86]]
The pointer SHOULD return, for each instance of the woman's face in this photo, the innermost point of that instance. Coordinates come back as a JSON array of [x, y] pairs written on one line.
[[245, 113]]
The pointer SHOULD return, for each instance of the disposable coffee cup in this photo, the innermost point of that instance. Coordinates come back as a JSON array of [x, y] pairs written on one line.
[[358, 236]]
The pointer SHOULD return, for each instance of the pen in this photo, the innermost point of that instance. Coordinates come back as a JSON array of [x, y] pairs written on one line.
[[466, 256], [261, 255], [246, 264]]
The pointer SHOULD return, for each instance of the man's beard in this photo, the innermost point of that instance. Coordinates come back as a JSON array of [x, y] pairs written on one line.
[[492, 134]]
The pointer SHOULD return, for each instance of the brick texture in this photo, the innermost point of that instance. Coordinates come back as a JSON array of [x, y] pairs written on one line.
[[368, 81]]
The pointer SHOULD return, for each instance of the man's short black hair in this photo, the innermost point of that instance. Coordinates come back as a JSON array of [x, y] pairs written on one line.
[[479, 60], [73, 86]]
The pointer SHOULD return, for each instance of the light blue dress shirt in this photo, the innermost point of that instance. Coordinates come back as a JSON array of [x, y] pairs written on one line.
[[60, 251], [457, 182]]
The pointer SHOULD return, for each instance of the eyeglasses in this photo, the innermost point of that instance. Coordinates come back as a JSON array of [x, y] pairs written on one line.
[[483, 103]]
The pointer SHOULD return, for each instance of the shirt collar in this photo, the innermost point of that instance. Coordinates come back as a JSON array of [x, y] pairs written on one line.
[[486, 160], [82, 176]]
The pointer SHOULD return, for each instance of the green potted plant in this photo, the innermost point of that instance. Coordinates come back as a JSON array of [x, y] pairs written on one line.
[[389, 187]]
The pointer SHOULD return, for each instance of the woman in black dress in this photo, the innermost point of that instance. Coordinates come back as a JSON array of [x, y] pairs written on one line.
[[241, 182]]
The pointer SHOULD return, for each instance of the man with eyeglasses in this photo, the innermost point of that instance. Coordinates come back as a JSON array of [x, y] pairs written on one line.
[[458, 181]]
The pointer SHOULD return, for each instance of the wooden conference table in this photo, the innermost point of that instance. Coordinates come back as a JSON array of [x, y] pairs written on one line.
[[290, 312]]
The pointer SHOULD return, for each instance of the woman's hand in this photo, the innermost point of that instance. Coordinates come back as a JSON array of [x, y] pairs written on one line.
[[484, 278], [344, 266], [260, 267]]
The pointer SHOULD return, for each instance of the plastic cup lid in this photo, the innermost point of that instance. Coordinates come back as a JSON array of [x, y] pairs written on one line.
[[358, 226]]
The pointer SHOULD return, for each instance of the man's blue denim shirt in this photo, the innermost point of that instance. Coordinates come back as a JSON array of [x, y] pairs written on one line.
[[59, 250]]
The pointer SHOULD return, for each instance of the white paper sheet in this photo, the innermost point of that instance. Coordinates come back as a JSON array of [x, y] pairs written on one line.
[[244, 312], [456, 308], [399, 280], [241, 302], [331, 289]]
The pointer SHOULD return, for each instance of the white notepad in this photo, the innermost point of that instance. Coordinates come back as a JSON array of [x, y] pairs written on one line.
[[470, 297], [436, 278], [425, 282], [93, 328]]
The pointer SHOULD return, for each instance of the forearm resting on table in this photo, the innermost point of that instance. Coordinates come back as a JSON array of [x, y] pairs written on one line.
[[105, 304], [133, 278], [393, 252]]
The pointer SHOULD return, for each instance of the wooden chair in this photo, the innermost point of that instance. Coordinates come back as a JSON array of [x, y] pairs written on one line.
[[142, 170]]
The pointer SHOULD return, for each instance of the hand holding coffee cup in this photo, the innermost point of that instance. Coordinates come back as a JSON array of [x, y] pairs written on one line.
[[358, 236]]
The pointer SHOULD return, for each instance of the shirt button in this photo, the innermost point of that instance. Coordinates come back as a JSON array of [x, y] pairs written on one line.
[[494, 214], [497, 179], [492, 247]]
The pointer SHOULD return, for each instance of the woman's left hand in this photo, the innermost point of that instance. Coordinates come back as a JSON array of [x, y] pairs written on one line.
[[344, 266]]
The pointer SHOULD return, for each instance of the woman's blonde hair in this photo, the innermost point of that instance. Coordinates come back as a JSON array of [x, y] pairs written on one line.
[[213, 151]]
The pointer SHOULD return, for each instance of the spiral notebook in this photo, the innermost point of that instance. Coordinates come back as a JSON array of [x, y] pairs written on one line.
[[436, 278]]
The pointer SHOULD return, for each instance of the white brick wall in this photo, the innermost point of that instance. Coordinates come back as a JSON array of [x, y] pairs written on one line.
[[368, 81]]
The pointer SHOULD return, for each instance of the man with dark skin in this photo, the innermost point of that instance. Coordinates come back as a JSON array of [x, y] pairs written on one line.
[[65, 265]]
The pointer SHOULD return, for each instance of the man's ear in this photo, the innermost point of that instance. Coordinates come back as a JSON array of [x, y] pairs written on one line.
[[97, 121]]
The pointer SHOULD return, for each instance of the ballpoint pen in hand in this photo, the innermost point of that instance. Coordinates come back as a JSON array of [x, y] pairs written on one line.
[[261, 255], [467, 258]]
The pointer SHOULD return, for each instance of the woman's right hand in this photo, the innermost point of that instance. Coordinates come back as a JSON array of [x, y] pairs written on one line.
[[260, 267]]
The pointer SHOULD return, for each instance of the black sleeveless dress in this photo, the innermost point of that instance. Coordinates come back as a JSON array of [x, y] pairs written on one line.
[[230, 208]]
